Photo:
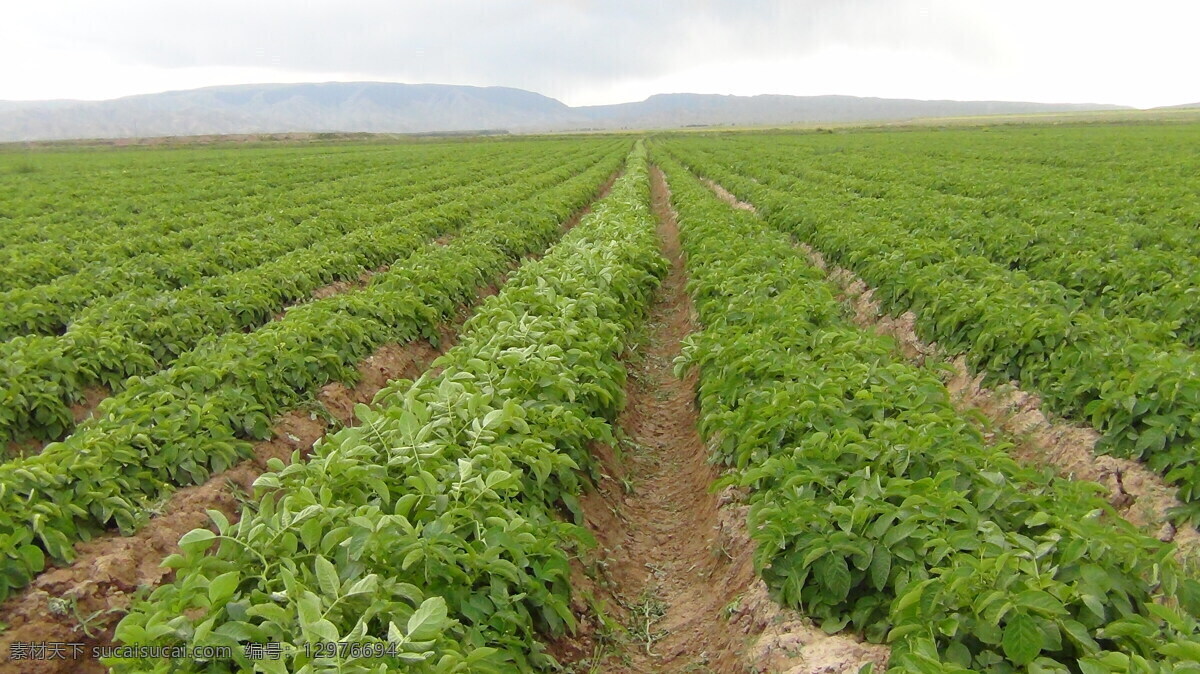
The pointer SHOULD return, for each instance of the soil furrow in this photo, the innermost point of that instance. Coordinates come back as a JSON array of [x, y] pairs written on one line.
[[1138, 494], [673, 564], [331, 289]]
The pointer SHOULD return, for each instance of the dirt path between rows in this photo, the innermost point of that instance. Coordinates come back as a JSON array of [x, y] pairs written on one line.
[[673, 565], [1138, 494], [82, 602]]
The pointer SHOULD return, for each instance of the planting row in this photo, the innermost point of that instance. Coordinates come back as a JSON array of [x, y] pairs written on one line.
[[219, 246], [139, 333], [84, 211], [876, 506], [188, 421], [1122, 269], [1124, 375], [430, 535], [1140, 179]]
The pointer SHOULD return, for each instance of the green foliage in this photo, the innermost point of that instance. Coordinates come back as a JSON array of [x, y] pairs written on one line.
[[874, 505], [197, 417], [1095, 309], [448, 492], [148, 322]]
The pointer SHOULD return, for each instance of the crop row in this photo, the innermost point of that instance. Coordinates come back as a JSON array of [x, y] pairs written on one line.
[[431, 532], [139, 333], [875, 505], [1122, 270], [173, 253], [1100, 198], [188, 421], [220, 246], [1140, 179], [1121, 374], [58, 223]]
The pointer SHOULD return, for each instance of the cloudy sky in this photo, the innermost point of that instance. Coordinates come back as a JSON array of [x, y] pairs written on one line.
[[589, 52]]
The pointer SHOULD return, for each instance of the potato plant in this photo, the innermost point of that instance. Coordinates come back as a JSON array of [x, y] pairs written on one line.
[[876, 506], [455, 491], [1130, 377], [199, 416], [142, 330]]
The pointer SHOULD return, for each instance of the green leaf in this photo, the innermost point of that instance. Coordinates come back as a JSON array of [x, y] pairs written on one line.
[[834, 574], [309, 609], [223, 586], [218, 518], [1182, 649], [365, 585], [1042, 602], [1022, 639], [34, 558], [492, 419], [196, 541], [324, 631], [1079, 634], [1151, 440], [428, 620], [881, 566], [327, 577], [411, 558], [1094, 603], [130, 633], [496, 477]]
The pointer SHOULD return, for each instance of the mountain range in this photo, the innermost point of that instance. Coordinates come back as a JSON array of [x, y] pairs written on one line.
[[383, 107]]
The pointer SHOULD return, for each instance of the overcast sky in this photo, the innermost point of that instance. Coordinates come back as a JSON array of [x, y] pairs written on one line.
[[583, 52]]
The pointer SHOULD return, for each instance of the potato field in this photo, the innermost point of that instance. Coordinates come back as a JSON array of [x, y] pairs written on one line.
[[903, 400]]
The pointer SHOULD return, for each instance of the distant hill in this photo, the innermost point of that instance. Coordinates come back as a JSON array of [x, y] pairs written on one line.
[[421, 108], [1181, 106], [676, 110]]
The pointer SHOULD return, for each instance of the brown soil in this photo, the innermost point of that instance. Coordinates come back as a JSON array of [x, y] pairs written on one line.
[[82, 602], [339, 287], [92, 397], [25, 447], [674, 561], [335, 288], [728, 197], [1138, 494]]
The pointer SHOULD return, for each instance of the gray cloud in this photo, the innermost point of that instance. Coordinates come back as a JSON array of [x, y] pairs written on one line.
[[546, 46], [567, 48]]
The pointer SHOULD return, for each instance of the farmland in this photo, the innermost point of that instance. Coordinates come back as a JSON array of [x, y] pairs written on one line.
[[919, 400]]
